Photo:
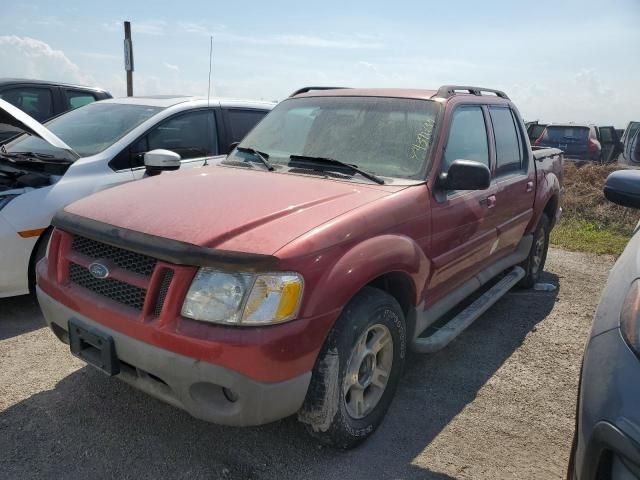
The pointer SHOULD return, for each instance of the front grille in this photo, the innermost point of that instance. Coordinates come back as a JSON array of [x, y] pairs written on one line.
[[164, 288], [131, 261], [111, 288]]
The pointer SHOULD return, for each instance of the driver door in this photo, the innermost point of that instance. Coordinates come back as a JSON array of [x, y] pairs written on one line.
[[463, 223]]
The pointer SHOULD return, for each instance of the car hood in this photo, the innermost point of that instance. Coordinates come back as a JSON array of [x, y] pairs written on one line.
[[14, 117], [228, 208]]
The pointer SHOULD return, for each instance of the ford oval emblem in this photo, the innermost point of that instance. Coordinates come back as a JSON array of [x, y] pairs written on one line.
[[98, 270]]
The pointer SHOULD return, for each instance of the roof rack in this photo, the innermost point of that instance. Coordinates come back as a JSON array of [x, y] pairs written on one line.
[[308, 89], [447, 91]]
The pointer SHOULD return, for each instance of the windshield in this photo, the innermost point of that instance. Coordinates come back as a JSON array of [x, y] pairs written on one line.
[[560, 134], [87, 130], [384, 136]]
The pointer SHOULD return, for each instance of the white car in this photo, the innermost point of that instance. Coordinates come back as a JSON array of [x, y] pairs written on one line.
[[98, 146]]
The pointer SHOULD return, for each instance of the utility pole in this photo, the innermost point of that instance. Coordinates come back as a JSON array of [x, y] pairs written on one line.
[[128, 58]]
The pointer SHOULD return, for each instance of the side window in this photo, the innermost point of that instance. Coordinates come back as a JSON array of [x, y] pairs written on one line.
[[190, 135], [36, 102], [467, 137], [78, 98], [508, 145], [243, 121]]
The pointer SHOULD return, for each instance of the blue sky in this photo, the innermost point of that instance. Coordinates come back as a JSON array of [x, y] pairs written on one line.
[[562, 60]]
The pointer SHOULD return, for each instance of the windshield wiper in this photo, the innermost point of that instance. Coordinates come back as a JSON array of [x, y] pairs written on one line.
[[259, 155], [338, 163], [28, 154]]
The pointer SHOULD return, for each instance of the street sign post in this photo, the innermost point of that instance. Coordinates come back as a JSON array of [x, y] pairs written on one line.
[[128, 57]]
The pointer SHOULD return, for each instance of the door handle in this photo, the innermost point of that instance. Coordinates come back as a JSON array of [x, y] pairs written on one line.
[[529, 187], [489, 202]]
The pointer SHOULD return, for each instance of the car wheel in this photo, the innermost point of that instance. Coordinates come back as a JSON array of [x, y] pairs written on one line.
[[357, 372], [534, 264]]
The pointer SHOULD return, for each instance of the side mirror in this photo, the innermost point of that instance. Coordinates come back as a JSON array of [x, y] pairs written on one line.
[[159, 160], [623, 187], [465, 175]]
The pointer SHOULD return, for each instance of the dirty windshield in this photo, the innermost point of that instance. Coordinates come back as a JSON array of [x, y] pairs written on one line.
[[87, 130], [385, 136]]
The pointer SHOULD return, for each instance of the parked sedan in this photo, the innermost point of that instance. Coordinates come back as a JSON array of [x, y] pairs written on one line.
[[95, 147], [44, 100], [607, 438]]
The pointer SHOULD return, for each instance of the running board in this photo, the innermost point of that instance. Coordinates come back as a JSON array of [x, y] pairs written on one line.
[[460, 322]]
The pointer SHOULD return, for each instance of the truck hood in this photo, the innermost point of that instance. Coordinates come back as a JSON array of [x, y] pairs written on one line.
[[14, 117], [227, 208]]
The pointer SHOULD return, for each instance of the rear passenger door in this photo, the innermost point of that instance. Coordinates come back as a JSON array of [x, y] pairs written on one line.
[[514, 176], [610, 143], [463, 222], [192, 135]]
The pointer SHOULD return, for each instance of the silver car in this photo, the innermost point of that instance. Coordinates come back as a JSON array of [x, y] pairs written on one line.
[[607, 438]]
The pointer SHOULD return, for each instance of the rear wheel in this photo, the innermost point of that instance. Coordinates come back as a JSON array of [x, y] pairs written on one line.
[[534, 264], [357, 372]]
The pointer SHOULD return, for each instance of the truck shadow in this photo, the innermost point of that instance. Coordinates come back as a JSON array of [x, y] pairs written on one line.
[[19, 315], [92, 425]]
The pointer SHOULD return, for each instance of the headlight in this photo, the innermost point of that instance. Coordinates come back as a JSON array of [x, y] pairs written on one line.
[[630, 317], [5, 199], [243, 298]]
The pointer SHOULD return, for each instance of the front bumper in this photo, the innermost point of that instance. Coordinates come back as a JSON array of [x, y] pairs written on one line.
[[188, 383], [608, 413], [15, 253]]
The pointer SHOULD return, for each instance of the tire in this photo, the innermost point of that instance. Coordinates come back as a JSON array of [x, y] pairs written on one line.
[[348, 397], [39, 251], [534, 264]]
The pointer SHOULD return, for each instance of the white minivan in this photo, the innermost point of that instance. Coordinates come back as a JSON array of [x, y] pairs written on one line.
[[98, 146]]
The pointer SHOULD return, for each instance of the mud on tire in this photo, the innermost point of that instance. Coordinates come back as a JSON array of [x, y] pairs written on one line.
[[333, 411]]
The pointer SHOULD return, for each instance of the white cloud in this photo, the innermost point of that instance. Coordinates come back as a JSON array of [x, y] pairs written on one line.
[[113, 26], [31, 58], [170, 66], [149, 27]]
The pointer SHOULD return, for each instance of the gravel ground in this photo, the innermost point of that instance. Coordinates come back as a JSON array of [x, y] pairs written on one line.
[[497, 403]]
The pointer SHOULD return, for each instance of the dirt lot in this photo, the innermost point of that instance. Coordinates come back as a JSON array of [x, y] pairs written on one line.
[[497, 403]]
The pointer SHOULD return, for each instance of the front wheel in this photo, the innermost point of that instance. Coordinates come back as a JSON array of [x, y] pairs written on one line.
[[534, 264], [357, 372]]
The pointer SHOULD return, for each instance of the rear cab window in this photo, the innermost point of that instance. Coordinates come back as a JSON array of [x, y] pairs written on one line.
[[77, 98], [508, 141], [242, 121]]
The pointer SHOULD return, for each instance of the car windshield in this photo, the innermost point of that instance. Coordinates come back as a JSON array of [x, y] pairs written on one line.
[[384, 136], [560, 134], [87, 130]]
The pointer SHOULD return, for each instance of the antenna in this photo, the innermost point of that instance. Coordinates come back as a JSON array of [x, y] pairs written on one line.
[[210, 63], [209, 85]]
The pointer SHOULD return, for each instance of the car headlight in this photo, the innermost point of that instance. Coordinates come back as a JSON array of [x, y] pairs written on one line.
[[630, 317], [243, 298], [5, 199]]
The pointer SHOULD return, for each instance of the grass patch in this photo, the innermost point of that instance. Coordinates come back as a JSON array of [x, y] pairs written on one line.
[[583, 236], [589, 222]]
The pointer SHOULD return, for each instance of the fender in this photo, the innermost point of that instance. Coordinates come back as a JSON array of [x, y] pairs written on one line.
[[365, 262], [548, 189]]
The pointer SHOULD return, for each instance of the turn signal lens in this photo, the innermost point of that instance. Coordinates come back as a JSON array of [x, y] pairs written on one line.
[[273, 299], [630, 317]]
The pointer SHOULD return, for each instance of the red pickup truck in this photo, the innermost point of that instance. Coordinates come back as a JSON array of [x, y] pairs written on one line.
[[294, 276]]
